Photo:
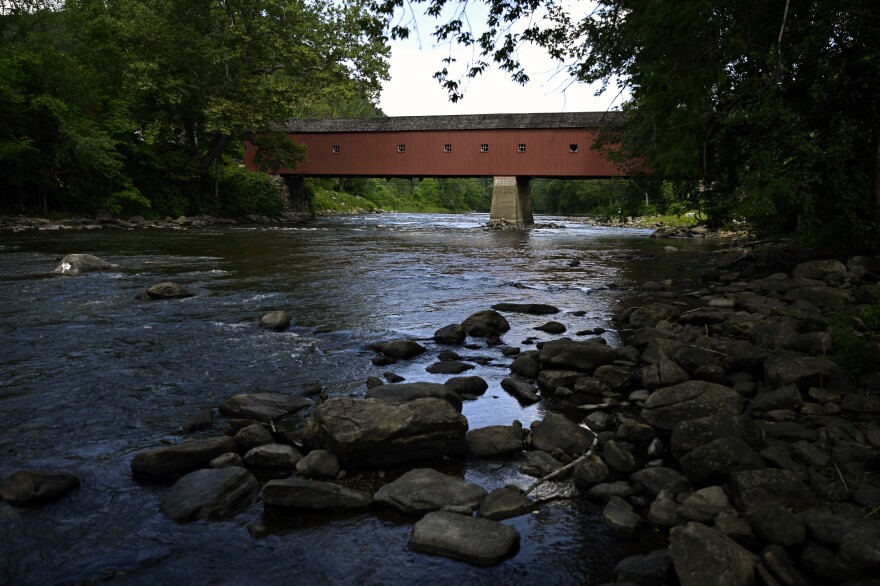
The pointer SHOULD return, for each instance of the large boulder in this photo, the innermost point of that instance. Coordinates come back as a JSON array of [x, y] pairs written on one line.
[[37, 487], [702, 555], [718, 459], [167, 462], [770, 485], [467, 385], [804, 371], [399, 348], [667, 407], [579, 356], [263, 406], [473, 540], [451, 334], [485, 324], [693, 433], [74, 264], [423, 490], [495, 440], [273, 457], [210, 494], [402, 392], [298, 493], [374, 432], [318, 464], [558, 432], [505, 503], [524, 391]]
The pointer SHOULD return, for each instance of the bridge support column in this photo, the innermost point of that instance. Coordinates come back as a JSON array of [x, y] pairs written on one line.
[[512, 201], [297, 198]]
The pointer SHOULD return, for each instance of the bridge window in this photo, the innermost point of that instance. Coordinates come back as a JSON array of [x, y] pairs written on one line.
[[336, 149], [521, 148], [572, 148], [484, 148], [447, 148], [401, 148]]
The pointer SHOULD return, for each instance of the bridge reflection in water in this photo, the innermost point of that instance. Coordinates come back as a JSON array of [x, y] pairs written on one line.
[[512, 148]]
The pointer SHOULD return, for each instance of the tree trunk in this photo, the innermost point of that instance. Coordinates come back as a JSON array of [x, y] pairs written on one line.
[[877, 175], [221, 141]]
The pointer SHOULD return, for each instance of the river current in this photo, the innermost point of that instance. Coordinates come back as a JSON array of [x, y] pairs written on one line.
[[89, 376]]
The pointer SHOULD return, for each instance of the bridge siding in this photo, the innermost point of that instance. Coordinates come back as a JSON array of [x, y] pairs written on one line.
[[375, 154]]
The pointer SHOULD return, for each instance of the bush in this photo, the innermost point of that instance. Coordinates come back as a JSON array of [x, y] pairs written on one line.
[[244, 192]]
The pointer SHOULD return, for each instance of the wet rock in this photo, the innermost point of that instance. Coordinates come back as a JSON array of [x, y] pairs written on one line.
[[539, 464], [578, 356], [210, 494], [275, 320], [74, 264], [263, 406], [776, 525], [618, 457], [453, 334], [702, 555], [495, 440], [551, 327], [528, 308], [37, 487], [557, 432], [526, 364], [169, 461], [226, 461], [550, 380], [449, 367], [474, 540], [646, 570], [485, 324], [403, 392], [393, 377], [272, 457], [522, 390], [658, 478], [605, 491], [770, 485], [313, 494], [705, 504], [590, 471], [670, 406], [505, 503], [202, 419], [718, 459], [467, 385], [423, 490], [374, 432], [399, 349], [620, 516], [318, 464], [252, 436]]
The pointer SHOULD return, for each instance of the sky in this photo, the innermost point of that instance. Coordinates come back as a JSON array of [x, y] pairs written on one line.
[[412, 91]]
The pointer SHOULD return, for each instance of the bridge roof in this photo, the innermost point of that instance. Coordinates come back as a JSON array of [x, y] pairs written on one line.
[[453, 122]]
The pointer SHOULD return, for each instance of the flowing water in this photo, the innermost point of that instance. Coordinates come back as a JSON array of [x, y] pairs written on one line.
[[89, 375]]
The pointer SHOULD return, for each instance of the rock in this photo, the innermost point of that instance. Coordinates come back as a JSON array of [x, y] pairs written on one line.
[[860, 551], [590, 471], [210, 494], [664, 511], [658, 478], [273, 457], [690, 434], [824, 297], [652, 314], [37, 487], [473, 540], [702, 555], [467, 385], [578, 356], [403, 392], [453, 334], [770, 485], [227, 460], [705, 504], [781, 569], [524, 391], [529, 308], [318, 464], [718, 459], [550, 380], [495, 440], [776, 525], [832, 270], [604, 491], [169, 461], [804, 371], [526, 364], [74, 264], [275, 320], [539, 464], [668, 407], [374, 432], [423, 490], [663, 373], [620, 516], [618, 457], [449, 367], [168, 290], [558, 432], [617, 378], [505, 503], [400, 349], [485, 324], [788, 397], [859, 403], [635, 431], [313, 494], [551, 327], [393, 377], [252, 436], [263, 406], [645, 570]]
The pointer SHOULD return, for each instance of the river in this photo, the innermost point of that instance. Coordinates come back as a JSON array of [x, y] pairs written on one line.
[[89, 375]]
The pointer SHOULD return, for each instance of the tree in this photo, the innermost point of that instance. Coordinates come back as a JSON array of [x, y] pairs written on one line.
[[772, 107]]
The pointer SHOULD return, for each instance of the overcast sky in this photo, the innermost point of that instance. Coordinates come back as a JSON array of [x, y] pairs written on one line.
[[412, 91]]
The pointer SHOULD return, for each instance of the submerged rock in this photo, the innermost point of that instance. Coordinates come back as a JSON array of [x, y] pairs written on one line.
[[473, 540], [275, 320], [528, 308], [169, 290], [36, 487]]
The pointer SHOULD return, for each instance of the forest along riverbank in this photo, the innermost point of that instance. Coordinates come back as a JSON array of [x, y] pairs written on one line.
[[719, 418]]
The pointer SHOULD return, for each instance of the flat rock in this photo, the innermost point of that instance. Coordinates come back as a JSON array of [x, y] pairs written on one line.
[[620, 516], [474, 540], [505, 503], [37, 487], [804, 371], [273, 457], [424, 489], [169, 461], [374, 432], [522, 390], [539, 464], [403, 392], [210, 494], [298, 493], [705, 504], [495, 440], [401, 349], [657, 478], [558, 432], [580, 356], [702, 555], [263, 406], [667, 407], [528, 308], [449, 367]]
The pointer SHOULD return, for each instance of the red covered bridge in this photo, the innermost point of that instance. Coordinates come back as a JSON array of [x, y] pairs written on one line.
[[512, 148]]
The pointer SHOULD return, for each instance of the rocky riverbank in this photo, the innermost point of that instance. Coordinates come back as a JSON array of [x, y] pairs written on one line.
[[26, 223], [724, 421]]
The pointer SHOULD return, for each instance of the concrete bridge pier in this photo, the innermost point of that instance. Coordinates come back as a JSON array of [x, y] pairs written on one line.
[[512, 201]]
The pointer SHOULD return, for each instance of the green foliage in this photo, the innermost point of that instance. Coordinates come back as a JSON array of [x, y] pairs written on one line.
[[427, 195], [323, 198], [244, 192]]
